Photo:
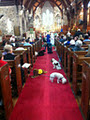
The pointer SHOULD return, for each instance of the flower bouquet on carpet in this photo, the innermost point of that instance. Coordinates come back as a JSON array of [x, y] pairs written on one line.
[[37, 72]]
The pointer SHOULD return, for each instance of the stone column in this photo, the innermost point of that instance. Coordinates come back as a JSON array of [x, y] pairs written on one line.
[[8, 21], [85, 3]]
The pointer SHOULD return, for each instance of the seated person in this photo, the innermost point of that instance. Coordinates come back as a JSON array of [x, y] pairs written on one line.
[[72, 44], [81, 38], [12, 38], [27, 43], [18, 47], [61, 39], [68, 34], [86, 38], [4, 43], [2, 62], [64, 39], [68, 41], [88, 54], [78, 45], [9, 55]]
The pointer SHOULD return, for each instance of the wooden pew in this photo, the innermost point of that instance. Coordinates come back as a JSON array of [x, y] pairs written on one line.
[[87, 43], [85, 98], [23, 59], [34, 57], [77, 70], [35, 47], [0, 44], [70, 62], [16, 73], [5, 89], [62, 54], [58, 48], [25, 55], [22, 54], [60, 51], [66, 59], [30, 53]]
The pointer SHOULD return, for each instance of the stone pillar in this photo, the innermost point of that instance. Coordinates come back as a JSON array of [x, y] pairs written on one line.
[[89, 16], [76, 12], [85, 3], [8, 21]]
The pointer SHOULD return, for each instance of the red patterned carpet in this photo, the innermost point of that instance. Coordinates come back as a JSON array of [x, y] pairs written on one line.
[[42, 100]]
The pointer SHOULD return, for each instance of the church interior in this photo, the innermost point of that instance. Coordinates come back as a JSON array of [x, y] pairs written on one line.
[[44, 59]]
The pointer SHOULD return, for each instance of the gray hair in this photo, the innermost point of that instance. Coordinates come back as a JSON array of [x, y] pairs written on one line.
[[7, 48], [78, 43]]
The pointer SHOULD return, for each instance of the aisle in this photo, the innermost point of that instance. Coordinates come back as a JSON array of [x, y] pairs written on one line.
[[42, 100]]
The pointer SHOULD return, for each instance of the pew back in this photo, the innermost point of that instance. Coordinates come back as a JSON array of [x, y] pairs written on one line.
[[85, 98], [77, 68], [6, 90], [16, 73]]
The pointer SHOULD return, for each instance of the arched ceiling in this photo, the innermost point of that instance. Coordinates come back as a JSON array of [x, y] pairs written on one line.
[[35, 3], [28, 4]]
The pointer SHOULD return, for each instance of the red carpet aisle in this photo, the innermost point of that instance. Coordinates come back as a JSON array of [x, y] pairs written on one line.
[[43, 100]]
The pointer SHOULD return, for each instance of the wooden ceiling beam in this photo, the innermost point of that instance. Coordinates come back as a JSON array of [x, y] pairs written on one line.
[[68, 2], [50, 1]]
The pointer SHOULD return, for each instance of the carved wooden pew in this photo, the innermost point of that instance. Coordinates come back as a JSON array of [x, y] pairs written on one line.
[[25, 54], [38, 45], [87, 43], [66, 59], [0, 44], [16, 74], [70, 62], [5, 93], [30, 53], [34, 58], [23, 59], [58, 48], [60, 51], [77, 70], [85, 98]]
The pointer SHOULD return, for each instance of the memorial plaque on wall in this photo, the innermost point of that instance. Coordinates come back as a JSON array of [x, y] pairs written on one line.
[[17, 30]]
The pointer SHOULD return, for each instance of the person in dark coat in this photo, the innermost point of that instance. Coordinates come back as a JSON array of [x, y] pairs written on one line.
[[9, 55], [48, 38], [78, 33]]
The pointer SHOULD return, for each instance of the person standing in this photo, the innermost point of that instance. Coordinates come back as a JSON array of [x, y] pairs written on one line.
[[48, 38]]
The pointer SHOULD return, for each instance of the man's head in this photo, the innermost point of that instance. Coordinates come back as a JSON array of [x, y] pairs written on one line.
[[8, 48]]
